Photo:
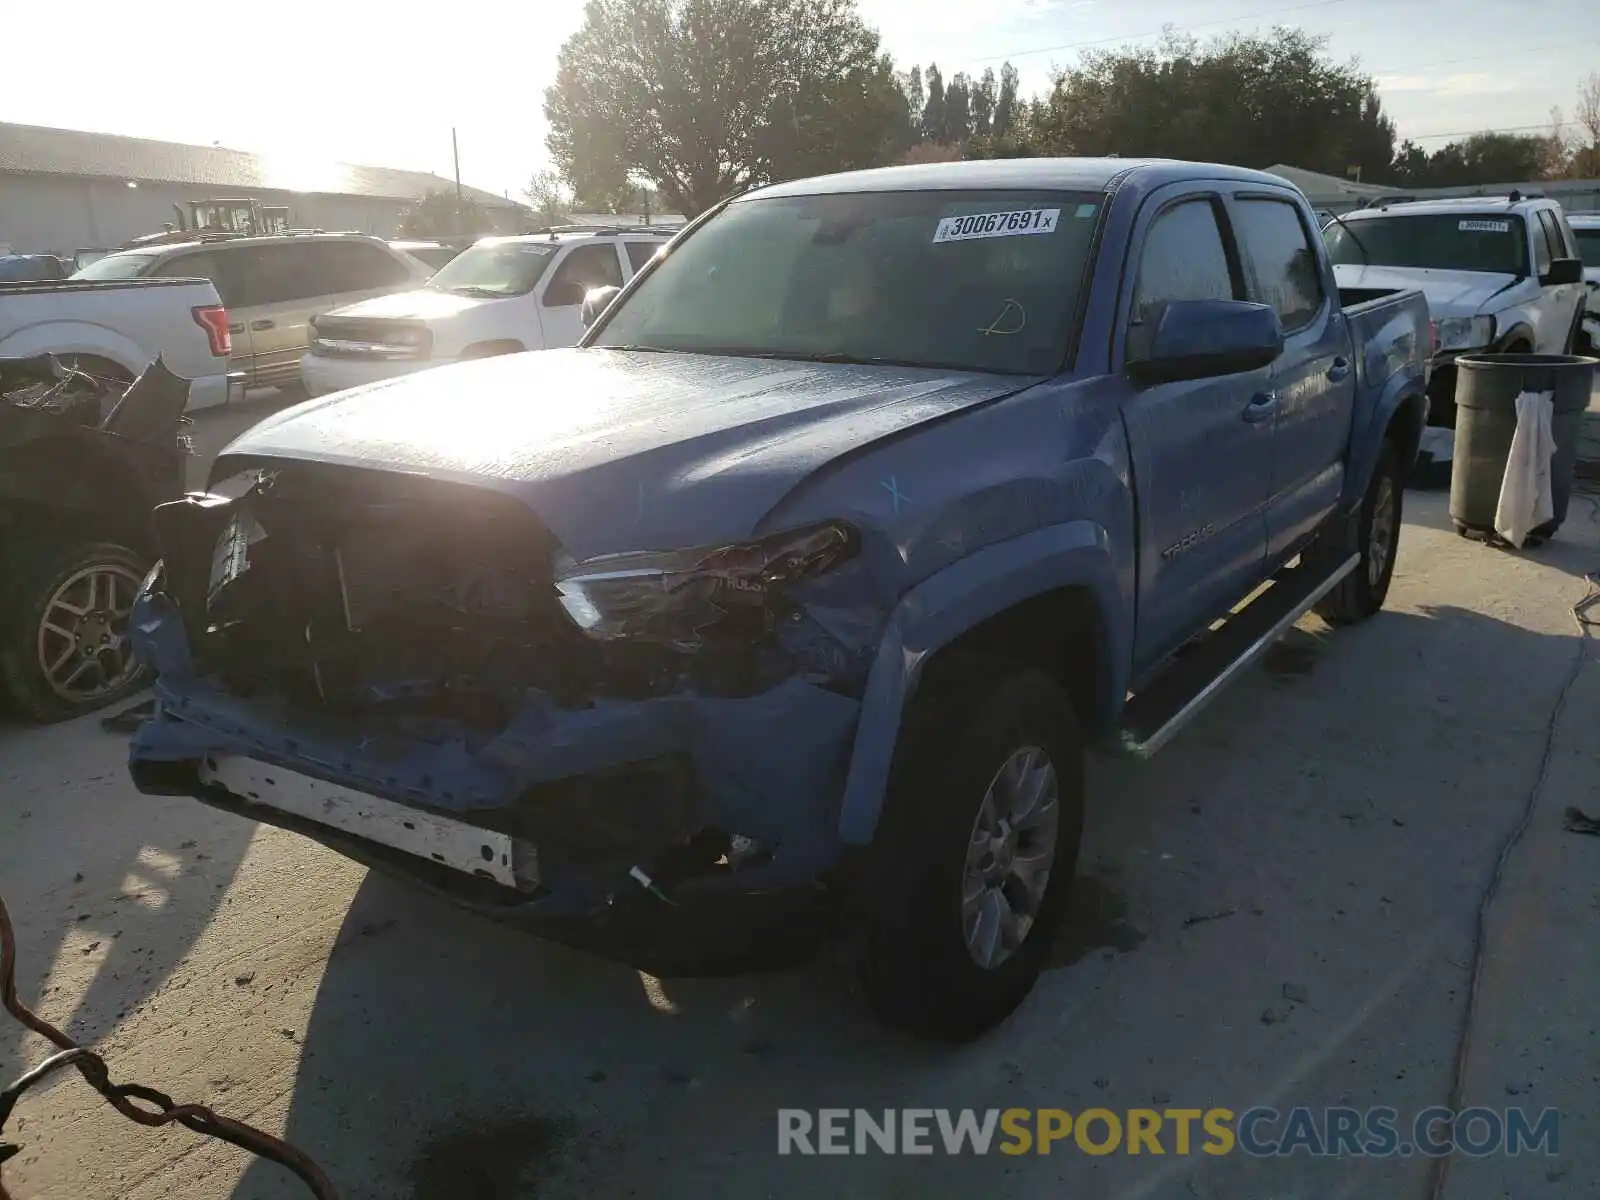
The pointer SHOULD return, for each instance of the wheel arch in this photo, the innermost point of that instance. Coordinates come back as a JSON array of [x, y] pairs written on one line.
[[1049, 599], [492, 347]]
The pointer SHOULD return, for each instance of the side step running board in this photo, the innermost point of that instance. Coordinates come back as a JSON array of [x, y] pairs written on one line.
[[1154, 717]]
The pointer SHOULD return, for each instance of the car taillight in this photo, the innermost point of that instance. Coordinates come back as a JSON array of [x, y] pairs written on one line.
[[213, 318]]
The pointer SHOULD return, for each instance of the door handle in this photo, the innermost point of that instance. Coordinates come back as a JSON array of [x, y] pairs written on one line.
[[264, 323], [236, 327], [1339, 370], [1262, 405]]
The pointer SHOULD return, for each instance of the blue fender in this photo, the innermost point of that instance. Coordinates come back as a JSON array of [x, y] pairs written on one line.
[[954, 600], [1406, 387]]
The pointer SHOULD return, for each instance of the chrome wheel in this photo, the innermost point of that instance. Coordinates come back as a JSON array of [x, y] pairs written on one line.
[[1010, 856], [1381, 539], [82, 642]]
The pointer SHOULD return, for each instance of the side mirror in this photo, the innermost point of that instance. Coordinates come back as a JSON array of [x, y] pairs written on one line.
[[1200, 339], [595, 301], [1563, 270]]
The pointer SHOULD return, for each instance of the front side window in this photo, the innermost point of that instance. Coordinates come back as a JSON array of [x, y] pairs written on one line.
[[1552, 229], [1183, 259], [965, 280], [586, 267], [1494, 242], [495, 268], [1287, 276]]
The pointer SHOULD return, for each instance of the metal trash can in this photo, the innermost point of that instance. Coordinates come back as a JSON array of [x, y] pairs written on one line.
[[1487, 387]]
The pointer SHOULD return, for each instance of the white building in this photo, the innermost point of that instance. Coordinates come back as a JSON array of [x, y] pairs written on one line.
[[62, 190]]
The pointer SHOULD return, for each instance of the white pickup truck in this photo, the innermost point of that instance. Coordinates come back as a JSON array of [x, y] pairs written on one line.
[[116, 328]]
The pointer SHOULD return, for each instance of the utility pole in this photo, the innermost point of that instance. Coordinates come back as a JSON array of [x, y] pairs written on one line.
[[455, 153]]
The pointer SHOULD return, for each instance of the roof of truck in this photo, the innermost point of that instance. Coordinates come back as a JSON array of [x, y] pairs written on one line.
[[1074, 174]]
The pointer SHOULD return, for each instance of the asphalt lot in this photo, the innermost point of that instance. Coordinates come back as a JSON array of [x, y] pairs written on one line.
[[1329, 825]]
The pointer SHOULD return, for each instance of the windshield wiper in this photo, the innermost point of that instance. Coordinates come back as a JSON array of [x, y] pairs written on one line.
[[468, 289], [638, 349], [1366, 258]]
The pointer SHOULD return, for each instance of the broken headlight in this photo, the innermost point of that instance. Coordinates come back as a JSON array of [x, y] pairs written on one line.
[[675, 597]]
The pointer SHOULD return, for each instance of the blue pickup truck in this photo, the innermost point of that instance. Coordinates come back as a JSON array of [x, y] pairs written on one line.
[[790, 600]]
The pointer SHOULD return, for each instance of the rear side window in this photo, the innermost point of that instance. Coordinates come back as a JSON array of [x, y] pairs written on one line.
[[1588, 246], [358, 267], [586, 267], [1183, 259], [1275, 241], [640, 253]]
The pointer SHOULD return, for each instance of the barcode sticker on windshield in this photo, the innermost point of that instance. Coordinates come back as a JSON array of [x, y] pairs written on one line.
[[1484, 226], [1000, 224]]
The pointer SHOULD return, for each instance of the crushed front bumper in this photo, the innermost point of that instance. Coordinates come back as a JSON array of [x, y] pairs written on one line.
[[626, 803]]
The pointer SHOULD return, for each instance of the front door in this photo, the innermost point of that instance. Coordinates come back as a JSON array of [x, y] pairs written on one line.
[[1313, 381], [585, 266], [1201, 449]]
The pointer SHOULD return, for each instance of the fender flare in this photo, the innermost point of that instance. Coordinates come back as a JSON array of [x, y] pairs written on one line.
[[947, 604], [77, 337]]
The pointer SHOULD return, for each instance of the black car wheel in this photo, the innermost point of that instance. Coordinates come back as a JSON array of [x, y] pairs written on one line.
[[956, 906], [64, 646]]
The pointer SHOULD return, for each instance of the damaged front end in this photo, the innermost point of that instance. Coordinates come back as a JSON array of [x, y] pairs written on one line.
[[454, 698]]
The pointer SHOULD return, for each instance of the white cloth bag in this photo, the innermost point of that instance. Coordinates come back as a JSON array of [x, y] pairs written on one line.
[[1525, 500]]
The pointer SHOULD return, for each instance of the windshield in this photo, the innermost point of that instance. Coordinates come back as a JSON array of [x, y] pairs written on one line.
[[981, 280], [117, 266], [1442, 242], [1589, 246], [495, 269]]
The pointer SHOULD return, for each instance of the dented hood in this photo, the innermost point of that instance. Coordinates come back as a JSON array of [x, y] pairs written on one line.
[[619, 450]]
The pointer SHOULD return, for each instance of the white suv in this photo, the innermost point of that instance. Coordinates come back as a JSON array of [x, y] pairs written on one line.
[[1500, 273], [1587, 228], [501, 296]]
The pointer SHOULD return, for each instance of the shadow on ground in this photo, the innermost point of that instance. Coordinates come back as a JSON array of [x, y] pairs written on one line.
[[108, 889], [1350, 794]]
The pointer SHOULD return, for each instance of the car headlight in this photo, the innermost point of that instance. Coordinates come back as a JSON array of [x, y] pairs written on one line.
[[1465, 333], [674, 597]]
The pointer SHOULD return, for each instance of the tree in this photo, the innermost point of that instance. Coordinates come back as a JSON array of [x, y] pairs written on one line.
[[1585, 163], [705, 98], [549, 197], [1410, 167], [436, 215], [916, 98], [1250, 99], [1005, 104], [984, 93], [933, 122], [958, 110]]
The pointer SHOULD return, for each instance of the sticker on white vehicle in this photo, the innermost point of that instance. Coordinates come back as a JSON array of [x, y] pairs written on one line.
[[1476, 226], [997, 224]]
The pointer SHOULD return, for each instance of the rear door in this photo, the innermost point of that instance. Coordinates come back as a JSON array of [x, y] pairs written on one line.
[[639, 253], [1202, 453], [1313, 380], [586, 265]]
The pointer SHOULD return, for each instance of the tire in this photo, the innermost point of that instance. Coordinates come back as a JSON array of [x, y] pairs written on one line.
[[45, 580], [906, 924], [1361, 593]]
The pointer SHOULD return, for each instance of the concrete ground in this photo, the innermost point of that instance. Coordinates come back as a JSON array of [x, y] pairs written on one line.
[[1278, 910]]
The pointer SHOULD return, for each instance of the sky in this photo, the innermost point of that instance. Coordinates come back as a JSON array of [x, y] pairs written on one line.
[[359, 85]]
